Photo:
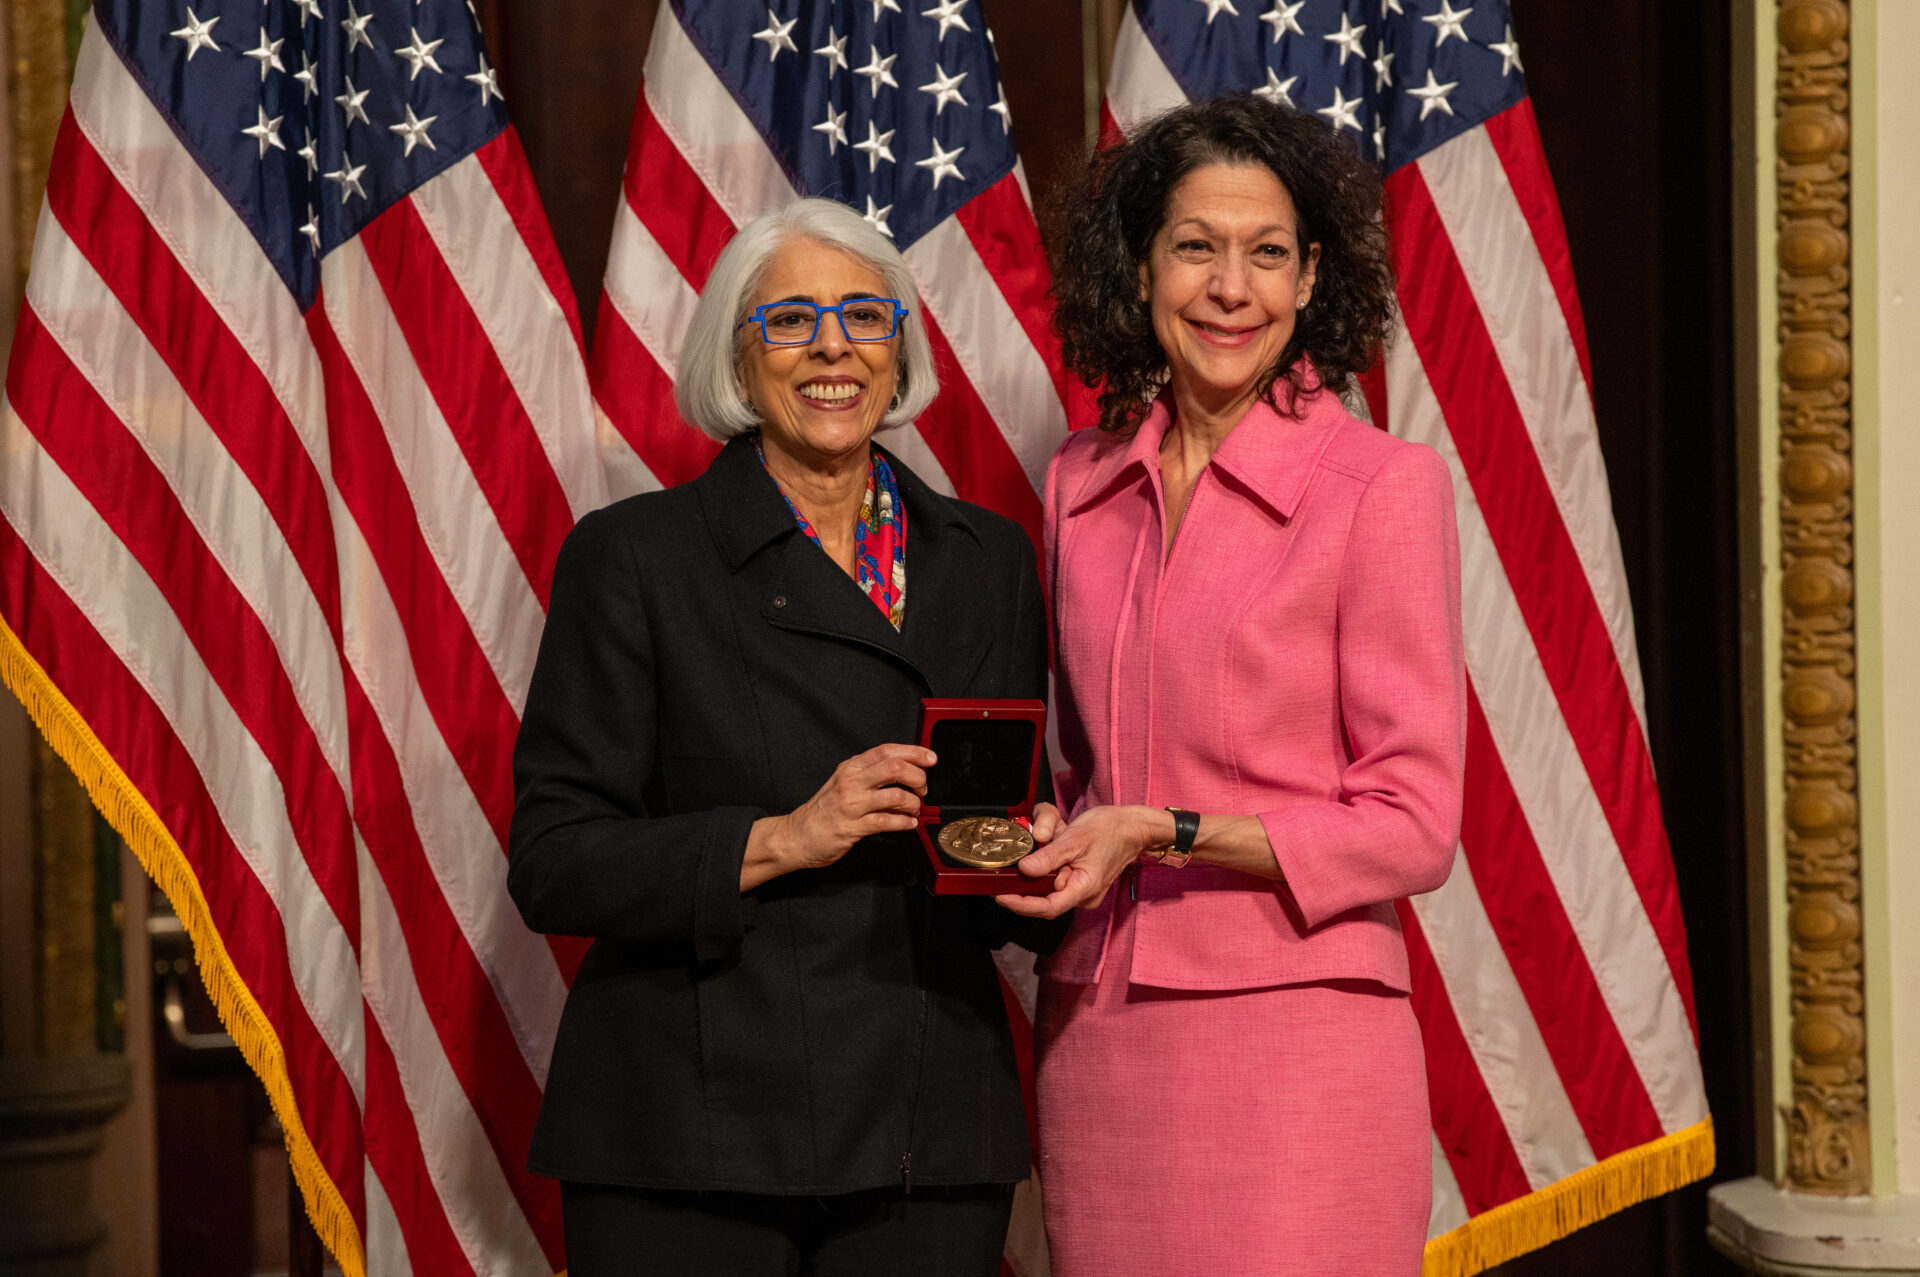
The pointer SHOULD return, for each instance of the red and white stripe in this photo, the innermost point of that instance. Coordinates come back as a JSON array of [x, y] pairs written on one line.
[[1550, 972], [292, 569]]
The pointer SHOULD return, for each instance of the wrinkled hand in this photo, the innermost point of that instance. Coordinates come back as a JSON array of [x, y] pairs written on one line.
[[1086, 857], [868, 794], [871, 793]]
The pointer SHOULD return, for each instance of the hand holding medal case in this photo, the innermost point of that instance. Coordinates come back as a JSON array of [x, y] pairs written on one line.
[[978, 793]]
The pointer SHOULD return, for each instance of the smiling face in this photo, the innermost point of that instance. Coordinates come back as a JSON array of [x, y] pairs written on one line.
[[824, 399], [1224, 279]]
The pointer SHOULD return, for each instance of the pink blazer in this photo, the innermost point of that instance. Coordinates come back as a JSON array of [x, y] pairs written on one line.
[[1297, 655]]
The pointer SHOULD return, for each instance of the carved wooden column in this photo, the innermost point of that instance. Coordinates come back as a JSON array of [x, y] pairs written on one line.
[[36, 95], [1827, 1150]]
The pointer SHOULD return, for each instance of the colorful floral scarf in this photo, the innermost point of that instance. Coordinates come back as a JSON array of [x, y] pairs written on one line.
[[879, 537]]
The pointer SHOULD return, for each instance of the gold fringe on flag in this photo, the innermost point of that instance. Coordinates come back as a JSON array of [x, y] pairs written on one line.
[[1548, 1214], [128, 811]]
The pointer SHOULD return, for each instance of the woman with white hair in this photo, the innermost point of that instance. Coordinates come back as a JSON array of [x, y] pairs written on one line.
[[781, 1053]]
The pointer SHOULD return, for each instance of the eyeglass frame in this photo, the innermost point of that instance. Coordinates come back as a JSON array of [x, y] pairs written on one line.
[[759, 317]]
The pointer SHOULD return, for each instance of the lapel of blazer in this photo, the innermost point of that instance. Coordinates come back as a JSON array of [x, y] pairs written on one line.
[[949, 606]]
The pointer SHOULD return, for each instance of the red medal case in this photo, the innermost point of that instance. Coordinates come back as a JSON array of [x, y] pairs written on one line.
[[989, 764]]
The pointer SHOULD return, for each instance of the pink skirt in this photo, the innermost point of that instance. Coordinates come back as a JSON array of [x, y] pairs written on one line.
[[1262, 1131]]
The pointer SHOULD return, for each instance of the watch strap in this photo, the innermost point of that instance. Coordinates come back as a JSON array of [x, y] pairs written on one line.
[[1186, 827]]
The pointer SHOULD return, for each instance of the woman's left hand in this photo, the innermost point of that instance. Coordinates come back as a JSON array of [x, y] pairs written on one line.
[[1086, 857]]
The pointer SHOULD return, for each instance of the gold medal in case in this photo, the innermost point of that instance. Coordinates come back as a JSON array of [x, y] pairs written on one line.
[[985, 842], [974, 819]]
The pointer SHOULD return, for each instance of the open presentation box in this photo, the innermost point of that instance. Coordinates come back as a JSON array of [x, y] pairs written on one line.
[[989, 754]]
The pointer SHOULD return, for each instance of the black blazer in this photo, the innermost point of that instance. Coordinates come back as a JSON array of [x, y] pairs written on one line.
[[705, 664]]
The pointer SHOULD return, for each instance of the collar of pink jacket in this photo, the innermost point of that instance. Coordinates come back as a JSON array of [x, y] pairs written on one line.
[[1263, 452]]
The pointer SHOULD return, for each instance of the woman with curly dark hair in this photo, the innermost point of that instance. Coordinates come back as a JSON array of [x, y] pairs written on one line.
[[1257, 635]]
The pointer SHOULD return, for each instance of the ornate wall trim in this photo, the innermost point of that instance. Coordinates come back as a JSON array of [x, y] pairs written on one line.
[[37, 79], [67, 954], [1827, 1131]]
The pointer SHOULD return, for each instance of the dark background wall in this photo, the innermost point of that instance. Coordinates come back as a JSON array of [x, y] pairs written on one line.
[[1635, 113]]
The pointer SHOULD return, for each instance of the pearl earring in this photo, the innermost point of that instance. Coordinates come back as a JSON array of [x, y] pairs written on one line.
[[1301, 304]]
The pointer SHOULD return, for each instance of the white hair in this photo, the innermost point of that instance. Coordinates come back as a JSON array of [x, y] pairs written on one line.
[[708, 390]]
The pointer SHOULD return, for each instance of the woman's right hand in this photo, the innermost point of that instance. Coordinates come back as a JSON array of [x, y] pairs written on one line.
[[871, 793]]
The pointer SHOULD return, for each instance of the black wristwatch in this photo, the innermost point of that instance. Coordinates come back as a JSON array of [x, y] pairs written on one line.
[[1186, 827]]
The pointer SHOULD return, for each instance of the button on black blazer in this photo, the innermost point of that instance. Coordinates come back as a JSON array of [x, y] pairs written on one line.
[[704, 664]]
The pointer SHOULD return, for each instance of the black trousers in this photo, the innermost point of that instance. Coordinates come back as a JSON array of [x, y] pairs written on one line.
[[625, 1232]]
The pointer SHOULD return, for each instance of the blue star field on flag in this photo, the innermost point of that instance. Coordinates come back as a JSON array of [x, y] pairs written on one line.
[[892, 106], [1397, 76], [312, 116]]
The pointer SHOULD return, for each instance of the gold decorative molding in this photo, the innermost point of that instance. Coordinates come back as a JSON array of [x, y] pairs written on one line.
[[39, 71], [1827, 1136]]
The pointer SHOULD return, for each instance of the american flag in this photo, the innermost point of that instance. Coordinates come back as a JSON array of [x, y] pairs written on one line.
[[1550, 973], [896, 108], [297, 416]]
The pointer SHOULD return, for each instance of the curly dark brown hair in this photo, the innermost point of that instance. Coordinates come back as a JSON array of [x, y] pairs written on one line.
[[1103, 225]]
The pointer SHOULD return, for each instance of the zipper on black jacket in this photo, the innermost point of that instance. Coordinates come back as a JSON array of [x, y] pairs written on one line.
[[919, 1050]]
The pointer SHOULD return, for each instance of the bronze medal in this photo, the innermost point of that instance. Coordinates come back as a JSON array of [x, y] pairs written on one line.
[[985, 842]]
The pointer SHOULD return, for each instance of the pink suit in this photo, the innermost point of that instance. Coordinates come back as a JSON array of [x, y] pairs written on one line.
[[1230, 1074]]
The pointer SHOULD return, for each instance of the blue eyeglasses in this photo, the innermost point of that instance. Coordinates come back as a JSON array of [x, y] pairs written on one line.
[[795, 323]]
